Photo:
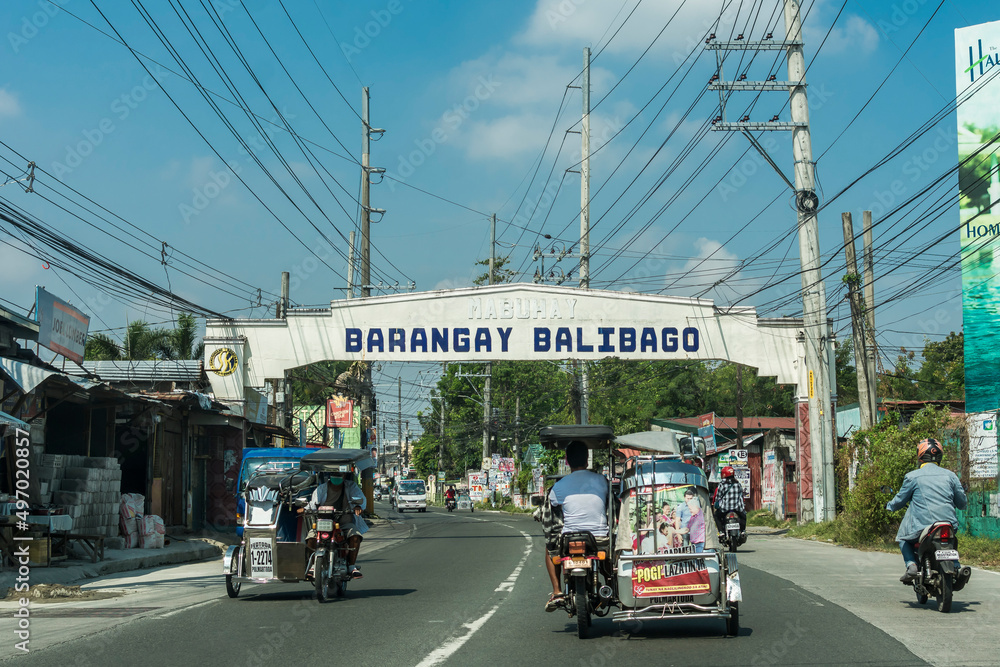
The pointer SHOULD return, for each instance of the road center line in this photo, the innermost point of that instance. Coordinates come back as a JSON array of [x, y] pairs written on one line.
[[447, 649]]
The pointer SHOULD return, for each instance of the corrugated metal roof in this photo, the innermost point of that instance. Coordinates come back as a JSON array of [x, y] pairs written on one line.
[[749, 423], [146, 371]]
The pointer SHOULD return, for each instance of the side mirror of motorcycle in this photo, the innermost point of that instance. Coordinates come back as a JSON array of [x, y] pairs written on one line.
[[887, 490], [536, 501]]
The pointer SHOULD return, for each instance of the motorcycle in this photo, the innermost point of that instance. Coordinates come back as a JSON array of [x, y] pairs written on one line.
[[378, 494], [450, 504], [731, 536], [581, 564], [937, 562], [329, 561]]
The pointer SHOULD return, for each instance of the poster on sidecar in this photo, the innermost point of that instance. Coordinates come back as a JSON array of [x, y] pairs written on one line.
[[670, 563]]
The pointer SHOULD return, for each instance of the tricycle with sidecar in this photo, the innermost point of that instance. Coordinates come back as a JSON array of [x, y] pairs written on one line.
[[273, 548]]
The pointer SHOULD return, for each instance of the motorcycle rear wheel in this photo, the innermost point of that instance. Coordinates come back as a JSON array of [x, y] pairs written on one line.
[[582, 609], [944, 590], [321, 577]]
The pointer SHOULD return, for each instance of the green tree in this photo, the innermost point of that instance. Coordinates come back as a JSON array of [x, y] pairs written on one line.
[[141, 342], [184, 338], [884, 454], [847, 374], [900, 383], [942, 374], [501, 272]]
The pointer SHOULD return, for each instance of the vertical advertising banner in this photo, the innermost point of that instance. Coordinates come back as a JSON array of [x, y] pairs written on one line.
[[769, 478], [706, 430], [977, 68]]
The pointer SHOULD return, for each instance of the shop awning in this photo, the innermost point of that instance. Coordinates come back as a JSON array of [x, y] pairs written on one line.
[[14, 422], [28, 377]]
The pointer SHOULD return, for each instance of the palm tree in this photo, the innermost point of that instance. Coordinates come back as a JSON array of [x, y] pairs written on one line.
[[144, 342], [183, 337]]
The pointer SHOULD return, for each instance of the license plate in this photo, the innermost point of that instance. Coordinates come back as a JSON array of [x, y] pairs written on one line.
[[261, 558], [732, 526], [324, 525], [946, 554], [578, 562]]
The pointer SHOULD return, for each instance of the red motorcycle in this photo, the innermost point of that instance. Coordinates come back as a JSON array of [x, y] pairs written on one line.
[[329, 561]]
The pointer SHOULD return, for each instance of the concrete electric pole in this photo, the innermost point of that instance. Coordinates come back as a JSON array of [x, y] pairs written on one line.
[[858, 321], [585, 219], [818, 337], [487, 395]]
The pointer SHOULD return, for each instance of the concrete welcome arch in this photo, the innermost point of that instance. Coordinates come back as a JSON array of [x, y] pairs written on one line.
[[495, 323]]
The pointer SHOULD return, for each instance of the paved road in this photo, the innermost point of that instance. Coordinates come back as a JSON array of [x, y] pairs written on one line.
[[461, 589]]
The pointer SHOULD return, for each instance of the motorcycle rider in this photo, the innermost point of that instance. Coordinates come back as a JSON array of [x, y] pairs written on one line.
[[450, 494], [347, 497], [729, 498], [582, 497], [934, 493]]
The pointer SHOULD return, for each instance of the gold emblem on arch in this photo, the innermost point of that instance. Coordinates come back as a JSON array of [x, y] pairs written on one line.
[[223, 362]]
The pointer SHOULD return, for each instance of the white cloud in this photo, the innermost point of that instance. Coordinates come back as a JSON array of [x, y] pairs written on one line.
[[19, 272], [852, 35], [10, 106], [581, 22], [503, 103]]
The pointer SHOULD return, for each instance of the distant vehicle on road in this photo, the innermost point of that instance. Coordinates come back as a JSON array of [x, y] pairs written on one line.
[[411, 494]]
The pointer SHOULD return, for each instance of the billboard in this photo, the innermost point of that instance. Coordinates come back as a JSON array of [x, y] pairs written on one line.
[[340, 412], [982, 445], [977, 56], [61, 327], [706, 430]]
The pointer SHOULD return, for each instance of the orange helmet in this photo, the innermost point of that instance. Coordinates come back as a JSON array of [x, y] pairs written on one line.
[[929, 450], [728, 472]]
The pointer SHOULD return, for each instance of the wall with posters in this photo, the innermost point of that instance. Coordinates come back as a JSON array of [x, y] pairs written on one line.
[[977, 56]]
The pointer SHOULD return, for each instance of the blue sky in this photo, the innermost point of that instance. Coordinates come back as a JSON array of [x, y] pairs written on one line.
[[468, 94]]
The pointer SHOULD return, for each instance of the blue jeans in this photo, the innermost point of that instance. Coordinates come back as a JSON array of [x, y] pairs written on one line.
[[909, 553]]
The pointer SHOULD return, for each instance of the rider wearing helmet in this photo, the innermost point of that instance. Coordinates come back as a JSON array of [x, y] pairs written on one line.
[[934, 493], [729, 498]]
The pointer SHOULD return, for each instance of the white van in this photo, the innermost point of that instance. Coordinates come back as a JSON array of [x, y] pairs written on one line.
[[411, 494]]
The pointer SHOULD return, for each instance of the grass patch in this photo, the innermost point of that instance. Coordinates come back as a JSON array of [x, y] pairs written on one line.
[[978, 551], [766, 519]]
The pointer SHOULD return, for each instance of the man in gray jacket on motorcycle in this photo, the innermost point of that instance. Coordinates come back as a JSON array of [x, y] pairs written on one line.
[[933, 493]]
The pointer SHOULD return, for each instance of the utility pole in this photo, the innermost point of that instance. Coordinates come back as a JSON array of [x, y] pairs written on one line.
[[281, 404], [585, 220], [585, 176], [487, 390], [399, 416], [517, 424], [871, 354], [366, 210], [350, 268], [818, 338], [857, 323], [739, 406]]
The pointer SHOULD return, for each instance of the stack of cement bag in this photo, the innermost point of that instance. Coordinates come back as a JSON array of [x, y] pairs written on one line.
[[140, 530]]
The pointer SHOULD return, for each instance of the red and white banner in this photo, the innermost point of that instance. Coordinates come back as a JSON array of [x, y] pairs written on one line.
[[339, 412], [657, 578]]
